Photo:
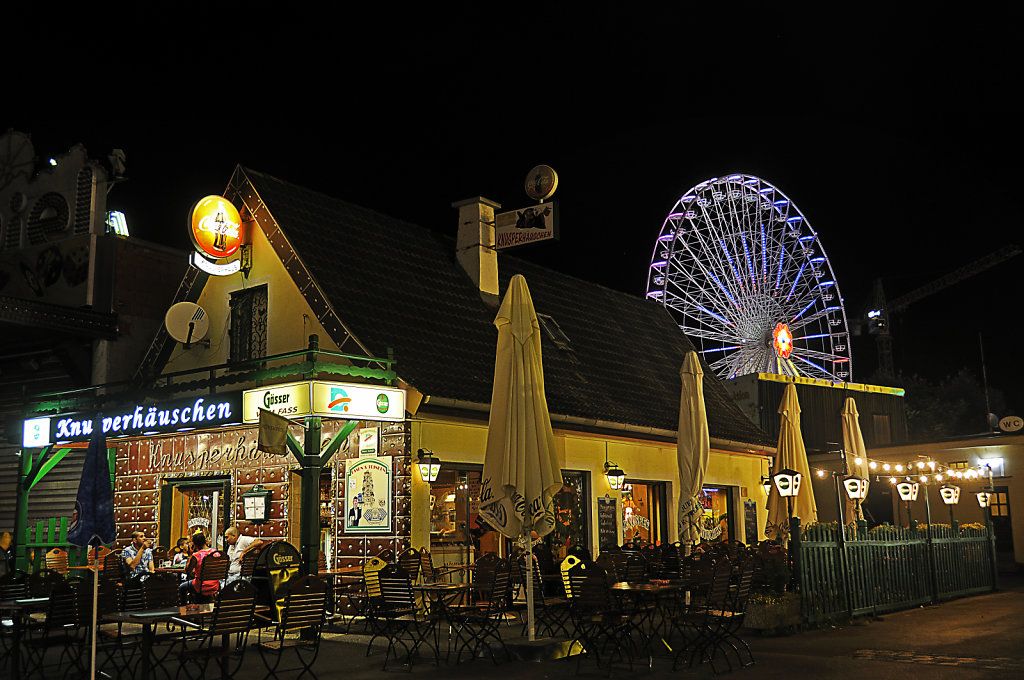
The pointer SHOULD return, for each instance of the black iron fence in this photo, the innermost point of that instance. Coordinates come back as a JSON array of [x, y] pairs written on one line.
[[851, 571]]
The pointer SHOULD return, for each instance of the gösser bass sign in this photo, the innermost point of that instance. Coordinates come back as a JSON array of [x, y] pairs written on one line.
[[330, 399]]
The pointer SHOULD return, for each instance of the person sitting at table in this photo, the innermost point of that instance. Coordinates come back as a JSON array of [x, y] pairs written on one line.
[[138, 555], [193, 587], [181, 553], [238, 545]]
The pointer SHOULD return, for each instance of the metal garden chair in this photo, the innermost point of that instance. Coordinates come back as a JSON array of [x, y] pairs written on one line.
[[298, 629]]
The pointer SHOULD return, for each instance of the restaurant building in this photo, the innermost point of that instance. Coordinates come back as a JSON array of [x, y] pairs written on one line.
[[394, 304]]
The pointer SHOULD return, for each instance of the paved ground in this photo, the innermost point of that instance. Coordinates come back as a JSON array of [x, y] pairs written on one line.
[[976, 637]]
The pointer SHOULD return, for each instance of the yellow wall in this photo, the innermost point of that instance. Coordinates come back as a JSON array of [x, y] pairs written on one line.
[[463, 441], [291, 321]]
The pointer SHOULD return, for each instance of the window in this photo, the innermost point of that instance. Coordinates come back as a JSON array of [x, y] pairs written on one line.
[[555, 332], [881, 424], [248, 324], [958, 465]]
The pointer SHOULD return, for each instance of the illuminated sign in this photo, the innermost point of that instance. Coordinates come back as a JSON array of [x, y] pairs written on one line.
[[215, 227], [36, 433], [214, 269], [330, 399], [782, 340], [290, 400], [193, 413]]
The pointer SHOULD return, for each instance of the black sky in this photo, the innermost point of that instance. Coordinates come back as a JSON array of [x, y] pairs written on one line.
[[897, 136]]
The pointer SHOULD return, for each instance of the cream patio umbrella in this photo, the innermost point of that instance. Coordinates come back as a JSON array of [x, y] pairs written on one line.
[[853, 444], [693, 449], [790, 454], [521, 471]]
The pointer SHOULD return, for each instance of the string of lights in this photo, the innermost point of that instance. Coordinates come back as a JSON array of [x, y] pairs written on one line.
[[921, 471]]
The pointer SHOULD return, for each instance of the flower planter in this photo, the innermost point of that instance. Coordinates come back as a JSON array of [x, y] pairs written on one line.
[[778, 616]]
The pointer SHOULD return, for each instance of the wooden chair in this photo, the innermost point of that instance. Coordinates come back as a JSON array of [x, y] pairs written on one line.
[[99, 554], [475, 624], [248, 564], [402, 624], [551, 613], [410, 561], [213, 568], [57, 560], [233, 613], [64, 627], [303, 612]]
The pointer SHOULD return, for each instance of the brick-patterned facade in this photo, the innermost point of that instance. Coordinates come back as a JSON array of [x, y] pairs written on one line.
[[143, 465]]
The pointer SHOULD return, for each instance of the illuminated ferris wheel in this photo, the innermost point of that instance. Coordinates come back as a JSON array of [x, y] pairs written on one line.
[[745, 276]]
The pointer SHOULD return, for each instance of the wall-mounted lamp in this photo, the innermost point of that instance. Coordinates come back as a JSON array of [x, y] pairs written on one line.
[[429, 465], [616, 477]]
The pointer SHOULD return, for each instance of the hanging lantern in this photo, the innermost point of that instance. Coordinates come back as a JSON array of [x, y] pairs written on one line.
[[950, 494], [787, 482], [429, 465], [856, 487], [907, 490], [616, 477]]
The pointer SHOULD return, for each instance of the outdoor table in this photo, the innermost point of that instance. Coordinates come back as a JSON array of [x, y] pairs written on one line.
[[656, 594], [441, 596], [19, 608], [148, 618], [331, 576]]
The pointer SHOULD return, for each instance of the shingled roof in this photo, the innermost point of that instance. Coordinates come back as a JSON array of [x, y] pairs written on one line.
[[398, 285]]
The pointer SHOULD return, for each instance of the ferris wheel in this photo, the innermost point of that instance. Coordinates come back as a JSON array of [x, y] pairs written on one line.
[[746, 277]]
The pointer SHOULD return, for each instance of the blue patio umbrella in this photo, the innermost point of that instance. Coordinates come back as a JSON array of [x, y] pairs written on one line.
[[93, 519]]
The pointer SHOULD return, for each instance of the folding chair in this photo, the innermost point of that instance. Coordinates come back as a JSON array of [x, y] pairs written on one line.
[[367, 603], [699, 625], [232, 616], [298, 628], [64, 627], [551, 613], [403, 624], [601, 625], [409, 559], [475, 624]]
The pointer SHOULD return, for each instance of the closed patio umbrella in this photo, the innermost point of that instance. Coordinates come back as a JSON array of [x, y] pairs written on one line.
[[792, 455], [853, 444], [521, 471], [693, 448]]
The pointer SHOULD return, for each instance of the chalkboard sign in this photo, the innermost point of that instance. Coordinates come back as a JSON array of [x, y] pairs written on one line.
[[750, 521], [607, 523]]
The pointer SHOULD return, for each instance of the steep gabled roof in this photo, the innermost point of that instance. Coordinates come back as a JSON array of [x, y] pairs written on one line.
[[397, 285]]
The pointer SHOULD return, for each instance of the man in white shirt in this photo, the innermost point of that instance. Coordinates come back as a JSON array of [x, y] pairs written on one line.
[[238, 545]]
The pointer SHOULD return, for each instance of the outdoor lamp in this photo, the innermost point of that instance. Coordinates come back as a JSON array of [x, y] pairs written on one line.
[[950, 494], [907, 490], [615, 475], [984, 498], [766, 482], [256, 505], [429, 465], [856, 487], [787, 482]]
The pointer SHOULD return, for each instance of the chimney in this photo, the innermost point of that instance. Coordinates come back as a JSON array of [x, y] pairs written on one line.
[[474, 246]]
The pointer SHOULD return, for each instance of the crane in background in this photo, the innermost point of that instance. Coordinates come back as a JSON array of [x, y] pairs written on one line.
[[881, 313]]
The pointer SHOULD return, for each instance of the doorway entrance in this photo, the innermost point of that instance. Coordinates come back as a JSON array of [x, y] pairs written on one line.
[[194, 504]]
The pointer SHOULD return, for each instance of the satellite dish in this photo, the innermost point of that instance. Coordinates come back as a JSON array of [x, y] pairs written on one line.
[[187, 322]]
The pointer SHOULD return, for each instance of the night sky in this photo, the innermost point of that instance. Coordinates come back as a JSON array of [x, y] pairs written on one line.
[[897, 138]]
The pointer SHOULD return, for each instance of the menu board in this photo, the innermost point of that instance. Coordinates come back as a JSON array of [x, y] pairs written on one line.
[[749, 521], [607, 523]]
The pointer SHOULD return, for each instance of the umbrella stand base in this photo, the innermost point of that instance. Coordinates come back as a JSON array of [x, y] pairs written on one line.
[[541, 649]]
